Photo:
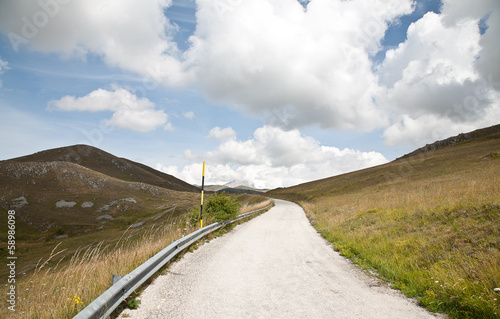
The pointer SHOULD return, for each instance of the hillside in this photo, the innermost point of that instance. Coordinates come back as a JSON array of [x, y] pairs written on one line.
[[459, 151], [81, 195], [489, 132], [108, 164], [429, 222]]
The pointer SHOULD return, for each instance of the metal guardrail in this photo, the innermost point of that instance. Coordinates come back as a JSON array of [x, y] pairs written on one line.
[[105, 304]]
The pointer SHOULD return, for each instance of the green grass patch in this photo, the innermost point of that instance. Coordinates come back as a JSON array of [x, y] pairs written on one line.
[[449, 257], [428, 224]]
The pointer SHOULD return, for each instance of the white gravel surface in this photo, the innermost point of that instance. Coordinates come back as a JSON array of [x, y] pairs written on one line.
[[274, 266]]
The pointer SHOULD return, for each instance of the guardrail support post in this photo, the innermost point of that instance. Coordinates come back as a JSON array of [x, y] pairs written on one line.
[[115, 279]]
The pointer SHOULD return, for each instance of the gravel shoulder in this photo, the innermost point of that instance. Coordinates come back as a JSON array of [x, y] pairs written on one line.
[[274, 266]]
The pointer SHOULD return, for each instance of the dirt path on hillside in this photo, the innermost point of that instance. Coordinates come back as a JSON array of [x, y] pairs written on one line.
[[274, 266]]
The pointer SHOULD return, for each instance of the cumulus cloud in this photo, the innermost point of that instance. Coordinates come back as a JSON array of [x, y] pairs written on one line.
[[222, 134], [132, 35], [272, 158], [293, 63], [441, 80], [488, 64], [296, 67], [129, 111], [433, 52]]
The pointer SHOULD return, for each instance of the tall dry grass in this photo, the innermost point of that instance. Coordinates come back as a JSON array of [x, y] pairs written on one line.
[[62, 289], [248, 207]]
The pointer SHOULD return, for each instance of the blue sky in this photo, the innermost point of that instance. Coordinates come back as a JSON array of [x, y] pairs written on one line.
[[269, 92]]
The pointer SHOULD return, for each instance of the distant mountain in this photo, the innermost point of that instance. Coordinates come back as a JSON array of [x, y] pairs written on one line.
[[234, 190], [108, 164], [236, 183], [241, 190], [213, 188]]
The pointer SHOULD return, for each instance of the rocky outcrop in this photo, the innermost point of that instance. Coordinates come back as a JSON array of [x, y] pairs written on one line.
[[492, 132]]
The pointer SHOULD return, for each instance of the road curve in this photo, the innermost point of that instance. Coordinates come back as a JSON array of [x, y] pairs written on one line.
[[274, 266]]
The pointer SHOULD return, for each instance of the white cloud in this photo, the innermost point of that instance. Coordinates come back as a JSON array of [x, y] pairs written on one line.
[[222, 134], [308, 66], [423, 129], [295, 66], [420, 130], [433, 53], [291, 65], [169, 127], [437, 83], [4, 65], [188, 115], [272, 158], [129, 111], [488, 64], [132, 35]]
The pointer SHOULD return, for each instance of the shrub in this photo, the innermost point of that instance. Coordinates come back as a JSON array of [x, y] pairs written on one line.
[[222, 207], [133, 303]]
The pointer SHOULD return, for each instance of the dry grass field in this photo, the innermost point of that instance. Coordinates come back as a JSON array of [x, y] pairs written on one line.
[[60, 288], [428, 223]]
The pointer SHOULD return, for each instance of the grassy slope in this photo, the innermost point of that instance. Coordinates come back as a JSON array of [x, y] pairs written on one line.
[[83, 174], [40, 222], [428, 223]]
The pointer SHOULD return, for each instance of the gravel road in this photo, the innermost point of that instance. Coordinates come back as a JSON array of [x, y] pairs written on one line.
[[274, 266]]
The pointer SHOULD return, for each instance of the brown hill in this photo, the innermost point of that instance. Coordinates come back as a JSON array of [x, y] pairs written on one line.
[[108, 164], [57, 198], [421, 163], [80, 195]]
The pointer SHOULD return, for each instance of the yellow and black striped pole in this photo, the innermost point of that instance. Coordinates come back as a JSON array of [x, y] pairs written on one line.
[[202, 185]]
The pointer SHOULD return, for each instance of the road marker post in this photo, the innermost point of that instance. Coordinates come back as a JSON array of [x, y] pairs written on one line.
[[202, 186]]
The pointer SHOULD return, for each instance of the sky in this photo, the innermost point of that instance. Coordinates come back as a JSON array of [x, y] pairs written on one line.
[[272, 93]]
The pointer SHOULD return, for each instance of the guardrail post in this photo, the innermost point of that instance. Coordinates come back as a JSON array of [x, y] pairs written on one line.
[[202, 186], [115, 279]]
